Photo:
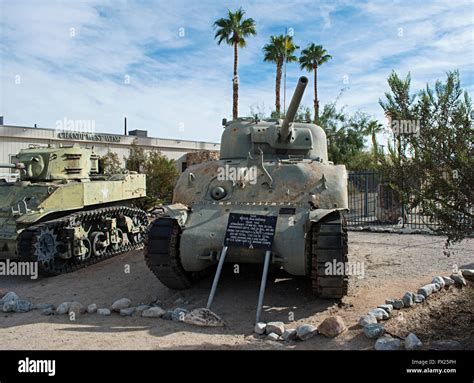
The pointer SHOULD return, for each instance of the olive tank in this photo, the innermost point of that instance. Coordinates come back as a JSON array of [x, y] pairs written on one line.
[[65, 213], [274, 167]]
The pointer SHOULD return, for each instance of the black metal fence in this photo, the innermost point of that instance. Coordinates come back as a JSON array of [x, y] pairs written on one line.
[[373, 203]]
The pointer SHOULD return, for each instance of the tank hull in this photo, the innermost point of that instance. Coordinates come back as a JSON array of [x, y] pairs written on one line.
[[23, 204], [276, 168], [199, 251]]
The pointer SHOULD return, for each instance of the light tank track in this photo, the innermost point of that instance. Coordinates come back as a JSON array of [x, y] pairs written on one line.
[[28, 239], [162, 254], [329, 244]]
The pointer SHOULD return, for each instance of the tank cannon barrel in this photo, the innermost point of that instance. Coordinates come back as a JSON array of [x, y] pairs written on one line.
[[285, 130], [12, 166]]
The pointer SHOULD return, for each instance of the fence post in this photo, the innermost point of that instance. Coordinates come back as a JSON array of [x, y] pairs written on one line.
[[366, 205]]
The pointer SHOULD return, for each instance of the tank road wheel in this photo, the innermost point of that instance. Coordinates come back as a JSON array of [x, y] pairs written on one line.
[[136, 238], [88, 245], [117, 245], [162, 254], [329, 244], [97, 240]]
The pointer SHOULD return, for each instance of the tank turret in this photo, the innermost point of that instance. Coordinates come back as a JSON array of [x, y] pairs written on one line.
[[38, 164], [276, 138]]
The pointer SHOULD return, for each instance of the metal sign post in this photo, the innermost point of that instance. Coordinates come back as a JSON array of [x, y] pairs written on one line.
[[216, 278], [249, 231], [263, 284]]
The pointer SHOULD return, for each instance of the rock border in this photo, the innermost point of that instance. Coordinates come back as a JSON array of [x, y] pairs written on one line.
[[372, 329], [391, 230]]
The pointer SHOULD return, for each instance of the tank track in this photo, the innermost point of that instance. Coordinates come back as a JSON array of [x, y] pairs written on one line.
[[162, 254], [29, 237], [329, 244]]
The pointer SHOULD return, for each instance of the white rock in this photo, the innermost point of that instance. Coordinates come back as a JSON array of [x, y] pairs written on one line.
[[20, 305], [76, 308], [387, 307], [305, 331], [289, 334], [439, 280], [120, 304], [387, 343], [92, 308], [105, 312], [141, 308], [153, 312], [408, 299], [273, 336], [127, 312], [427, 290], [374, 331], [419, 298], [276, 327], [63, 308], [367, 319], [468, 274], [412, 342], [448, 281], [8, 297], [259, 328], [458, 280], [9, 306], [380, 314], [398, 304]]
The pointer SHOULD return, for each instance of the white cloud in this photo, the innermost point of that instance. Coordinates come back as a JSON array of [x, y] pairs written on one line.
[[181, 80]]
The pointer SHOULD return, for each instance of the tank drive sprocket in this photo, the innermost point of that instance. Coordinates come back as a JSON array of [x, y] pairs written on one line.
[[329, 244], [47, 241], [162, 254]]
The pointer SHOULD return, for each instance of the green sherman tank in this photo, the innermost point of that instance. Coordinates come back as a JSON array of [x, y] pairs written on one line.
[[64, 213], [268, 168]]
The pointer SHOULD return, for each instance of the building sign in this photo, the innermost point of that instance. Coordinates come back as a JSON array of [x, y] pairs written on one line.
[[78, 136], [250, 230]]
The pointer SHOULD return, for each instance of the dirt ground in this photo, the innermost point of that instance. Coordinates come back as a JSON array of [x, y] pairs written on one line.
[[393, 264]]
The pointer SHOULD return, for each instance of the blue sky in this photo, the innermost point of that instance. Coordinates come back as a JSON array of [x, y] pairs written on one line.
[[71, 59]]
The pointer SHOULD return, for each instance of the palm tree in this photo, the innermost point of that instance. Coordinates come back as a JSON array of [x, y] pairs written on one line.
[[373, 128], [312, 57], [280, 48], [233, 30]]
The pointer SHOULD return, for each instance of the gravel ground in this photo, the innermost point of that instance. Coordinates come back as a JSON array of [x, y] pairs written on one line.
[[392, 264]]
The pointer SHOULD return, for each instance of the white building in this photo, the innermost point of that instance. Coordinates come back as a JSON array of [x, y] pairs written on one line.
[[14, 138]]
